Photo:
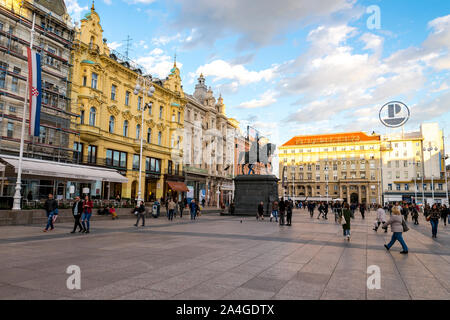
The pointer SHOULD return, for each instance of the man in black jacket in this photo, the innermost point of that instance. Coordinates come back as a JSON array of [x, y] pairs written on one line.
[[282, 207], [77, 209], [140, 212], [51, 208]]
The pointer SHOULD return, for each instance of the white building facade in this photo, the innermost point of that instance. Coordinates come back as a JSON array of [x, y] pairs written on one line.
[[208, 147], [413, 166]]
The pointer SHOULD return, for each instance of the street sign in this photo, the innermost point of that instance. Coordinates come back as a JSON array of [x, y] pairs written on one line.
[[394, 114]]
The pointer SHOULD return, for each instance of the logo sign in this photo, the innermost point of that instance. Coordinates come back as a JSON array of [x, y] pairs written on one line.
[[394, 114]]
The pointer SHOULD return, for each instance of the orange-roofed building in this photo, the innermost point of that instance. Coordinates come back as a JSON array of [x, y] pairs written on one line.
[[332, 166]]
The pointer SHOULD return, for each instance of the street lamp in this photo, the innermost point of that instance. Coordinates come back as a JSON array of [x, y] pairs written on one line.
[[429, 149], [146, 83], [327, 177], [415, 179]]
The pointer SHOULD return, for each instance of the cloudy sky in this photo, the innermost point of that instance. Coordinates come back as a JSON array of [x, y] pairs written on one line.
[[292, 67]]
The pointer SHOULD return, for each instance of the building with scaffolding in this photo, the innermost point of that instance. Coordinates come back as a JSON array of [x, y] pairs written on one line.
[[53, 38]]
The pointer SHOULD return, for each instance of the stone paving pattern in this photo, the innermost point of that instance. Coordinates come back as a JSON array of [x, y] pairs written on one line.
[[218, 257]]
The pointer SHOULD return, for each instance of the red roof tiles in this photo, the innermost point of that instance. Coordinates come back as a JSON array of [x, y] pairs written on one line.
[[331, 138]]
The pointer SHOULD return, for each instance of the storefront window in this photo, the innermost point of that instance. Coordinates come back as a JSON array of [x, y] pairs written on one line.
[[136, 162]]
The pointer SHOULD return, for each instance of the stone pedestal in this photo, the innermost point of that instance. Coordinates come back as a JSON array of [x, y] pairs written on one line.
[[250, 190]]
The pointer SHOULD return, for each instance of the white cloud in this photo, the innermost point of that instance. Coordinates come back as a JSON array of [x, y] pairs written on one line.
[[255, 22], [372, 41], [156, 63], [164, 40], [220, 69], [140, 1], [331, 77], [108, 2], [156, 52], [74, 9], [115, 45], [266, 99]]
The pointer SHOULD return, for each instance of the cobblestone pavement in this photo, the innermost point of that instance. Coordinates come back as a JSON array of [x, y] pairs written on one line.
[[218, 257]]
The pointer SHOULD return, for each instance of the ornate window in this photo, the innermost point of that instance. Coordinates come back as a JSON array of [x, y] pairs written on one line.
[[125, 128], [138, 131], [111, 124], [92, 115]]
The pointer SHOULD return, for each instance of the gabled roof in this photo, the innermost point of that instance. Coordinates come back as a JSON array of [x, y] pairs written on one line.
[[331, 138]]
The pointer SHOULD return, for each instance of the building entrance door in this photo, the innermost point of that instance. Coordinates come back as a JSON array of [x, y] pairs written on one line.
[[354, 198]]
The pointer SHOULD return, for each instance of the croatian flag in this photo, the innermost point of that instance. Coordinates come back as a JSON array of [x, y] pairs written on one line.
[[35, 91]]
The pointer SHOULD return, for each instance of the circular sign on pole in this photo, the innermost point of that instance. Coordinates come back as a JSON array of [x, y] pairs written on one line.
[[394, 114]]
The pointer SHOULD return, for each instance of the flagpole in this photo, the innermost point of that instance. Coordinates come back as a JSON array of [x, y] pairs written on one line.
[[17, 195]]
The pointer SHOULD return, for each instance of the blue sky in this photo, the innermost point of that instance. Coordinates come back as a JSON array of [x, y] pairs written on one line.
[[292, 67]]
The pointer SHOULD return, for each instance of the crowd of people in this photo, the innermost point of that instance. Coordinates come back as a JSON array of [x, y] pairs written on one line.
[[344, 213], [280, 212]]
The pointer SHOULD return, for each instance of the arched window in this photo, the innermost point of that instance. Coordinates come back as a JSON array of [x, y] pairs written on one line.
[[92, 114], [138, 131], [159, 137], [125, 128], [149, 135], [111, 124]]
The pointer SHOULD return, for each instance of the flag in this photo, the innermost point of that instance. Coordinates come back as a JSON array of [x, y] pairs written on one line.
[[34, 90]]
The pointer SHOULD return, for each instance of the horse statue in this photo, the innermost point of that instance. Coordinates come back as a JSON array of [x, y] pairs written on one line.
[[251, 157]]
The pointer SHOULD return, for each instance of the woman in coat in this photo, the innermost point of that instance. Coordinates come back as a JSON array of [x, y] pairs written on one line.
[[435, 215], [381, 218], [260, 211], [397, 230], [87, 213], [346, 214]]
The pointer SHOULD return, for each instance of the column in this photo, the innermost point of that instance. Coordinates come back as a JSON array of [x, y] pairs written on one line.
[[359, 194], [368, 194]]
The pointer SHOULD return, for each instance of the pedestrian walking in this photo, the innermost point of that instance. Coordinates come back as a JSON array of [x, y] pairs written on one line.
[[87, 213], [181, 207], [346, 215], [140, 213], [434, 217], [445, 214], [396, 223], [193, 207], [325, 210], [282, 208], [381, 218], [203, 202], [51, 209], [274, 211], [289, 208], [321, 210], [260, 214], [405, 212], [415, 215], [362, 209], [172, 206], [77, 209]]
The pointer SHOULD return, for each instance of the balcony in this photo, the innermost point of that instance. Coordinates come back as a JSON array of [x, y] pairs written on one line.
[[195, 170], [94, 49]]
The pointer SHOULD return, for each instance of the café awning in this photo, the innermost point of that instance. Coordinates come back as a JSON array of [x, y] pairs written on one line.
[[63, 171], [177, 186]]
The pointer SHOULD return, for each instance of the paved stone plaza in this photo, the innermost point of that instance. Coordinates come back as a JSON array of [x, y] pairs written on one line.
[[218, 257]]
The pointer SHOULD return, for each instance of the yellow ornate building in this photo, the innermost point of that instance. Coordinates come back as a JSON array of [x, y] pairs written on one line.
[[110, 117]]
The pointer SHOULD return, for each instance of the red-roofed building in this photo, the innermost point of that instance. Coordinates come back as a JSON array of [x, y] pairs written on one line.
[[331, 166]]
